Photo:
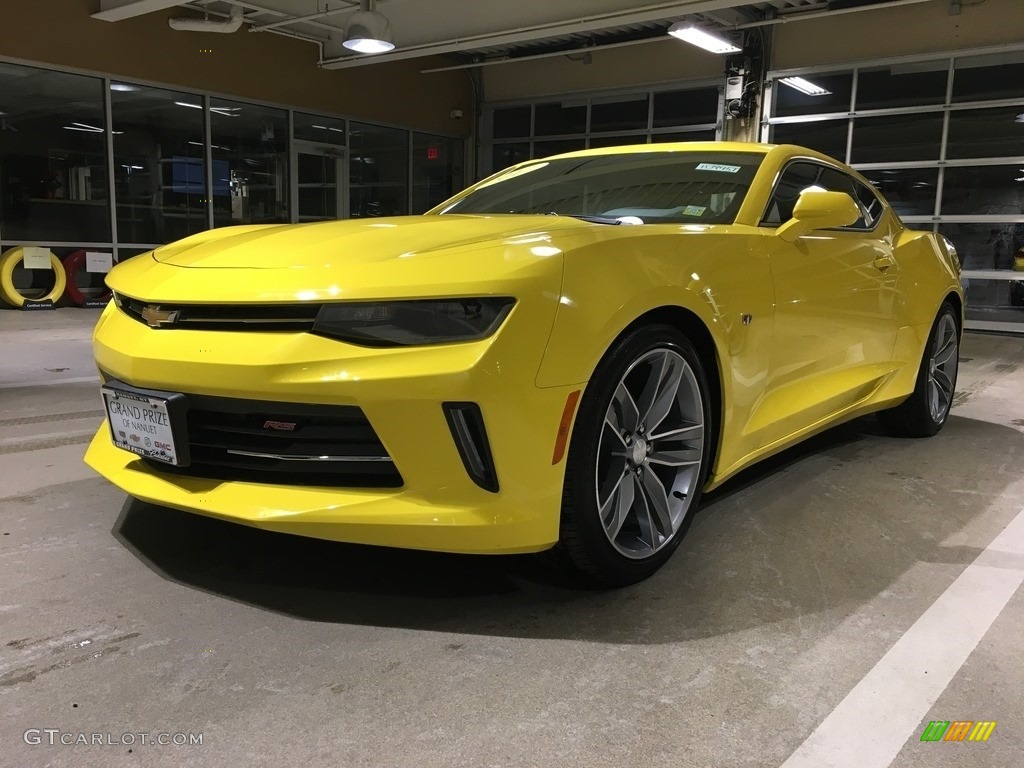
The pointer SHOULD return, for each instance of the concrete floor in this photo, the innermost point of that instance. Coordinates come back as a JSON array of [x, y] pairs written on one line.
[[794, 582]]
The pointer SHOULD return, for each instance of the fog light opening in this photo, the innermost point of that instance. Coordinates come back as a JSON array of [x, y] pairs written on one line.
[[466, 423]]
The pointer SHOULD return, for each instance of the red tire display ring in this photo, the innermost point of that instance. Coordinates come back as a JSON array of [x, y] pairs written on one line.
[[73, 264]]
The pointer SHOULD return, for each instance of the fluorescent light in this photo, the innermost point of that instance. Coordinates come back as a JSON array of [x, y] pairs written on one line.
[[702, 39], [1020, 118], [123, 87], [187, 104], [805, 86]]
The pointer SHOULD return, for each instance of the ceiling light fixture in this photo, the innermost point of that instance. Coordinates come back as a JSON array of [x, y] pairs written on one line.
[[701, 38], [368, 30], [805, 86], [123, 87], [1020, 118]]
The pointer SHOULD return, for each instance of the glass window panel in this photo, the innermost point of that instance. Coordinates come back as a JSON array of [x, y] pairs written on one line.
[[910, 191], [986, 246], [617, 141], [126, 252], [672, 108], [317, 169], [511, 122], [378, 170], [990, 246], [552, 119], [546, 148], [826, 136], [159, 166], [661, 138], [787, 100], [317, 182], [622, 115], [436, 170], [53, 158], [995, 132], [318, 203], [323, 130], [250, 163], [897, 138], [989, 190], [992, 76], [504, 155], [902, 85]]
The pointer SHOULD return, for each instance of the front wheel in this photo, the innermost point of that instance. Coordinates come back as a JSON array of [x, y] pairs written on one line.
[[927, 409], [638, 458]]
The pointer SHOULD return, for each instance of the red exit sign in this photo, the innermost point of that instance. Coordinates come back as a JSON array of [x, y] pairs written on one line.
[[432, 153]]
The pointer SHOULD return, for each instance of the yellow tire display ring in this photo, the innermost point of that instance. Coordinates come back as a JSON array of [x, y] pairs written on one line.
[[14, 296]]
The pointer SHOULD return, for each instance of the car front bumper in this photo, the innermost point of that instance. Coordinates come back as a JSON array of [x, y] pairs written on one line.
[[401, 392]]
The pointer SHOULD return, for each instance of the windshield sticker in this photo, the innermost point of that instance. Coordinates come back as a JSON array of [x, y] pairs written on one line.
[[694, 210], [719, 168]]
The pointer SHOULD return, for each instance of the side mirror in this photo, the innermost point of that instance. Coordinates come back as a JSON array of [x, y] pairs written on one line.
[[818, 209]]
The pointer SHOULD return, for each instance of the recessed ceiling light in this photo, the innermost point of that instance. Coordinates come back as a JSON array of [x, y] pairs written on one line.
[[805, 86], [701, 38]]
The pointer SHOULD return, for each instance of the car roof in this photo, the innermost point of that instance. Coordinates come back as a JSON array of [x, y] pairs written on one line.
[[676, 146]]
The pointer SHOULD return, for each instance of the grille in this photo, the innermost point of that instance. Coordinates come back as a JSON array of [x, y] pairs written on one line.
[[225, 317], [286, 443]]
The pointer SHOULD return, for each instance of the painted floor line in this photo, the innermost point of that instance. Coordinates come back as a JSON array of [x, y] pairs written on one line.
[[870, 726]]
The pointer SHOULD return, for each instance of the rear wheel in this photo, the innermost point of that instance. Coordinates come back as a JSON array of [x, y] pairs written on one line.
[[638, 458], [926, 410]]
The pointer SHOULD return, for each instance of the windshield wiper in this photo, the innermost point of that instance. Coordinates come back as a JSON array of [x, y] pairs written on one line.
[[587, 217]]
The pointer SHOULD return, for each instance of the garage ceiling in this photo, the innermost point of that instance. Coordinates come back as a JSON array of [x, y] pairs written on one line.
[[485, 31]]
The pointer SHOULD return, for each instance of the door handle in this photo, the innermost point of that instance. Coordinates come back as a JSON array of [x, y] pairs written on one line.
[[882, 263]]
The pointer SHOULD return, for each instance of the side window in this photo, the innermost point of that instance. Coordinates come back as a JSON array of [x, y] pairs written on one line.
[[795, 179], [869, 201], [837, 181], [800, 175]]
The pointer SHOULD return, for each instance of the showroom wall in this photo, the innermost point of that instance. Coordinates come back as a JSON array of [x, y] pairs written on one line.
[[904, 30], [263, 66], [664, 60]]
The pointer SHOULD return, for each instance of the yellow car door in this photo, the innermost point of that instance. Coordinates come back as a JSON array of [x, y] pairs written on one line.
[[836, 306]]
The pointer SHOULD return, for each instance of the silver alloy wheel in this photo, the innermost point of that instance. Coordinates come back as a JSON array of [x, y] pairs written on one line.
[[650, 453], [942, 369]]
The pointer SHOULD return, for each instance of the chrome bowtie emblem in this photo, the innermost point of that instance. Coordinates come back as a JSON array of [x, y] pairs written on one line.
[[158, 318]]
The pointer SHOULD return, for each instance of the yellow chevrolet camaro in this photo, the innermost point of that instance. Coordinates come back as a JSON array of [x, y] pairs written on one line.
[[564, 355]]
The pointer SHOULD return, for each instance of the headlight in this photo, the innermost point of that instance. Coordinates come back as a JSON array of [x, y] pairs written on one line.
[[412, 323]]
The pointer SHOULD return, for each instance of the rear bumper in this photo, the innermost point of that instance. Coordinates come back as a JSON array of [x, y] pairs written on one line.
[[438, 507]]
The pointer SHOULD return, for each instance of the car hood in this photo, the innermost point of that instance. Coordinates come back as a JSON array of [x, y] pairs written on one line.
[[354, 242], [412, 256]]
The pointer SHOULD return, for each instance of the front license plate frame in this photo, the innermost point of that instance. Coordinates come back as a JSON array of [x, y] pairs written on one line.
[[173, 452]]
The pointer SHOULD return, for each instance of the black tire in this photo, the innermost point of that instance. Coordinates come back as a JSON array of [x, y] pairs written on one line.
[[584, 542], [914, 417]]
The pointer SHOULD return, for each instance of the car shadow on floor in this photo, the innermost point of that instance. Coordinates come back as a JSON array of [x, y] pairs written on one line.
[[826, 525]]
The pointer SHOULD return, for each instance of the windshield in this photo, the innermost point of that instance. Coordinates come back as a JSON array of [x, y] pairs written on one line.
[[635, 188]]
